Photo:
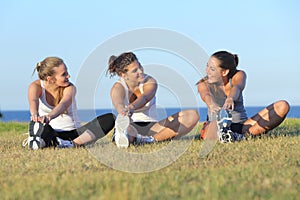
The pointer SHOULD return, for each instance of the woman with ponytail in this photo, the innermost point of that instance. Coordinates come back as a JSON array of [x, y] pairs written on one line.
[[134, 96], [54, 120], [223, 87]]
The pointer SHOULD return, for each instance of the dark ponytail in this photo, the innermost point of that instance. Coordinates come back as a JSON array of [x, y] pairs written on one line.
[[236, 59], [111, 66], [227, 61]]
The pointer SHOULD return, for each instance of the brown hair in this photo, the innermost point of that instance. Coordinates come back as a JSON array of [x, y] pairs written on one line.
[[227, 61], [117, 65], [45, 68]]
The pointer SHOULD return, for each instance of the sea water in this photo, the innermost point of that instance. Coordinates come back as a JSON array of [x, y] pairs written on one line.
[[87, 115]]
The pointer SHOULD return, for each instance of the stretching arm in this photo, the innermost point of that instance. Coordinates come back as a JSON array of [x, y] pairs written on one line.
[[238, 85], [207, 97], [34, 92], [68, 96], [149, 91], [117, 95]]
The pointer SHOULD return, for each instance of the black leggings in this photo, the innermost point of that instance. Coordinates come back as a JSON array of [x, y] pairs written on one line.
[[99, 126], [143, 128]]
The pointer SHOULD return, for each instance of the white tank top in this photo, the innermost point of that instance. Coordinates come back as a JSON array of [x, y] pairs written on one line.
[[147, 113], [64, 122]]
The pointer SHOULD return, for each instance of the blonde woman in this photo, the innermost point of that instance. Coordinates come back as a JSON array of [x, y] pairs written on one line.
[[52, 104]]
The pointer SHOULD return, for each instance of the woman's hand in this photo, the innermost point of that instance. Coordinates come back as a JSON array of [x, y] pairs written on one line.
[[124, 112], [229, 104], [44, 119], [127, 111], [34, 118], [213, 108]]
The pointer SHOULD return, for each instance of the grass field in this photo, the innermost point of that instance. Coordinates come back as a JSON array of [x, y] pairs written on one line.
[[260, 168]]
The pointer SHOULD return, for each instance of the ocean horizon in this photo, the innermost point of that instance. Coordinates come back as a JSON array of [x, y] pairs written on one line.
[[88, 114]]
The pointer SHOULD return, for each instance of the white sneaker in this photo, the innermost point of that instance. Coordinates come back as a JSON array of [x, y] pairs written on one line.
[[64, 143], [224, 120], [226, 136], [121, 136]]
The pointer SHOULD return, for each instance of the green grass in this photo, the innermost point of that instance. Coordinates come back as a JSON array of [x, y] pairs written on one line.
[[260, 168]]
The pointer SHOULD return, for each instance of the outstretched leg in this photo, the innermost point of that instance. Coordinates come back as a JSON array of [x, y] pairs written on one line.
[[178, 124], [95, 129], [267, 119]]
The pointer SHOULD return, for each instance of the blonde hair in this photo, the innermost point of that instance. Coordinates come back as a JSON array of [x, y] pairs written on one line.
[[45, 68]]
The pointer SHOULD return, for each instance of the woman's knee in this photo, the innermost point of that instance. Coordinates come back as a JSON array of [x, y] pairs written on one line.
[[195, 115], [191, 116], [282, 107]]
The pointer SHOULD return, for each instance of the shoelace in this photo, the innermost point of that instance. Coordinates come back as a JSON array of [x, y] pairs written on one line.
[[25, 141]]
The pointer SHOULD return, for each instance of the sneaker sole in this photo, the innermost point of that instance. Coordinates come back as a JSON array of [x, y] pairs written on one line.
[[227, 138], [121, 124], [224, 121], [122, 141], [35, 133]]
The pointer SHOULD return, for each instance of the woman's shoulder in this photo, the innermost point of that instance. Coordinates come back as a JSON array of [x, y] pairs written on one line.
[[239, 78], [240, 71], [202, 81], [35, 88], [240, 74], [149, 79], [117, 86], [35, 84], [70, 87]]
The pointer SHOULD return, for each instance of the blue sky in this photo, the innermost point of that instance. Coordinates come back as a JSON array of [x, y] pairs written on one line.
[[265, 35]]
